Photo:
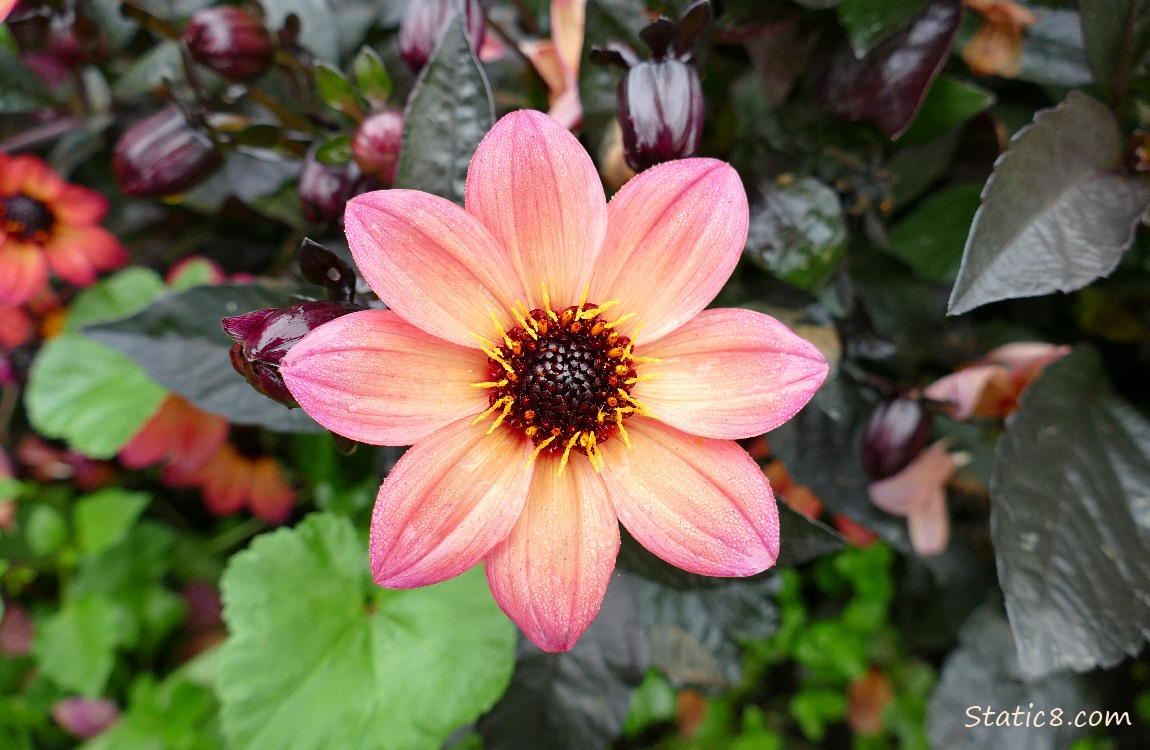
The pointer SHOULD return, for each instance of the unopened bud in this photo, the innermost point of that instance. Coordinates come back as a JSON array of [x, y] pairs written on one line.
[[424, 23], [376, 145], [661, 112], [897, 432], [162, 155], [325, 189], [229, 40], [263, 338]]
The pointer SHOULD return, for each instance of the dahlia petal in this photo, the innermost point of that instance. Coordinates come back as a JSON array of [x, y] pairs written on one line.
[[535, 188], [730, 374], [551, 573], [929, 525], [16, 326], [450, 499], [702, 505], [79, 205], [910, 488], [567, 23], [374, 377], [23, 271], [77, 254], [674, 235], [100, 246], [155, 439], [548, 65], [271, 498], [432, 263], [962, 391], [32, 177]]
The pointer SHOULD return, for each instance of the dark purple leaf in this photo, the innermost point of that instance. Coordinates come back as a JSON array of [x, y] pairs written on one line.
[[888, 85]]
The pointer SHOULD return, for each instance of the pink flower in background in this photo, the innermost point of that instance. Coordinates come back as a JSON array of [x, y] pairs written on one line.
[[918, 492], [231, 480], [991, 387], [550, 358], [557, 60], [179, 433], [84, 718]]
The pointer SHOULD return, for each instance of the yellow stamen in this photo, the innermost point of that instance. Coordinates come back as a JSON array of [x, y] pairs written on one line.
[[539, 449], [567, 452], [547, 303], [615, 353], [598, 328], [531, 431], [582, 301], [506, 409], [621, 320], [524, 324], [622, 430], [593, 454], [640, 407], [494, 407], [641, 360], [648, 376], [490, 384], [631, 343], [591, 313]]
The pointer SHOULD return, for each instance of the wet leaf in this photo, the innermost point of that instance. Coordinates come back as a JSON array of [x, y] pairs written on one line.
[[797, 231], [888, 85], [982, 673], [930, 239], [178, 341], [803, 539], [369, 668], [1056, 214], [1117, 36], [948, 104], [868, 22], [371, 77], [576, 700], [1073, 540], [449, 112], [1052, 51], [335, 90]]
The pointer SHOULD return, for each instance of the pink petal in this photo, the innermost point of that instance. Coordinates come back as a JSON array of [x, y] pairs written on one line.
[[929, 525], [536, 189], [79, 205], [702, 505], [910, 488], [567, 32], [674, 235], [1022, 354], [23, 271], [432, 262], [450, 499], [551, 573], [963, 390], [545, 58], [373, 377], [731, 374]]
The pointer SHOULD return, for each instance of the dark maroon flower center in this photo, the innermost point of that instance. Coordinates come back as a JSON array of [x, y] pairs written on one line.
[[564, 379], [26, 218]]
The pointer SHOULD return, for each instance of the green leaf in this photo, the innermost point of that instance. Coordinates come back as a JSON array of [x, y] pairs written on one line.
[[335, 151], [371, 77], [320, 658], [1117, 36], [868, 22], [797, 232], [147, 72], [948, 104], [22, 90], [1056, 213], [931, 238], [335, 90], [450, 111], [1073, 540], [103, 518], [89, 395], [46, 530], [75, 647], [120, 294]]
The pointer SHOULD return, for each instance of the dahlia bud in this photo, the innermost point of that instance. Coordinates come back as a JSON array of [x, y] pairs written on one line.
[[162, 155], [324, 189], [424, 22], [263, 338], [376, 144], [897, 432], [229, 40], [661, 112]]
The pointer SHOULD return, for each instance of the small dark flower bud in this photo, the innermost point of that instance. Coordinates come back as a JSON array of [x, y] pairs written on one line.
[[324, 189], [661, 112], [162, 155], [231, 41], [424, 23], [263, 338], [376, 144], [897, 432]]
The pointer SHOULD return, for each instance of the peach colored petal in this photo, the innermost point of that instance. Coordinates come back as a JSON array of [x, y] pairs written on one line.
[[69, 260], [929, 524], [702, 505], [909, 489], [79, 205], [545, 58], [1025, 359], [550, 574], [450, 499], [373, 377], [963, 390], [271, 498], [566, 108], [32, 177], [432, 262], [535, 188], [731, 374], [15, 327], [567, 21], [155, 439], [23, 271], [674, 235]]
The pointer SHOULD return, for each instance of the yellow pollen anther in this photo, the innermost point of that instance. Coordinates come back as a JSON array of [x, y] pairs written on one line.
[[631, 343], [622, 430], [531, 431], [565, 318], [591, 313], [492, 409], [509, 402], [582, 301], [598, 328], [621, 320], [529, 327], [648, 376], [567, 452], [491, 384], [615, 353], [539, 449], [593, 454], [622, 369], [641, 360]]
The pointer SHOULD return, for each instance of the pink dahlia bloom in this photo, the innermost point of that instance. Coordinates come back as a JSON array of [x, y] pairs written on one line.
[[549, 357]]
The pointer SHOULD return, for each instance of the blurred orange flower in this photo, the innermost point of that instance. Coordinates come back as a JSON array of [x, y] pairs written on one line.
[[996, 48], [230, 481]]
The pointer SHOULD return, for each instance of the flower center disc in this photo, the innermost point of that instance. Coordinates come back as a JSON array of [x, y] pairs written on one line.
[[564, 379], [25, 217]]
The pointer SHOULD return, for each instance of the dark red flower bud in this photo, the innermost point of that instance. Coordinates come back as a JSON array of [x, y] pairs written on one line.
[[661, 112], [897, 432], [263, 338], [325, 189], [231, 41], [162, 155], [424, 22], [376, 144]]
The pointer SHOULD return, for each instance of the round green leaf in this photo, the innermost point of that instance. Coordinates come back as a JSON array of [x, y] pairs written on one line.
[[103, 518], [89, 395], [320, 658], [76, 646]]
